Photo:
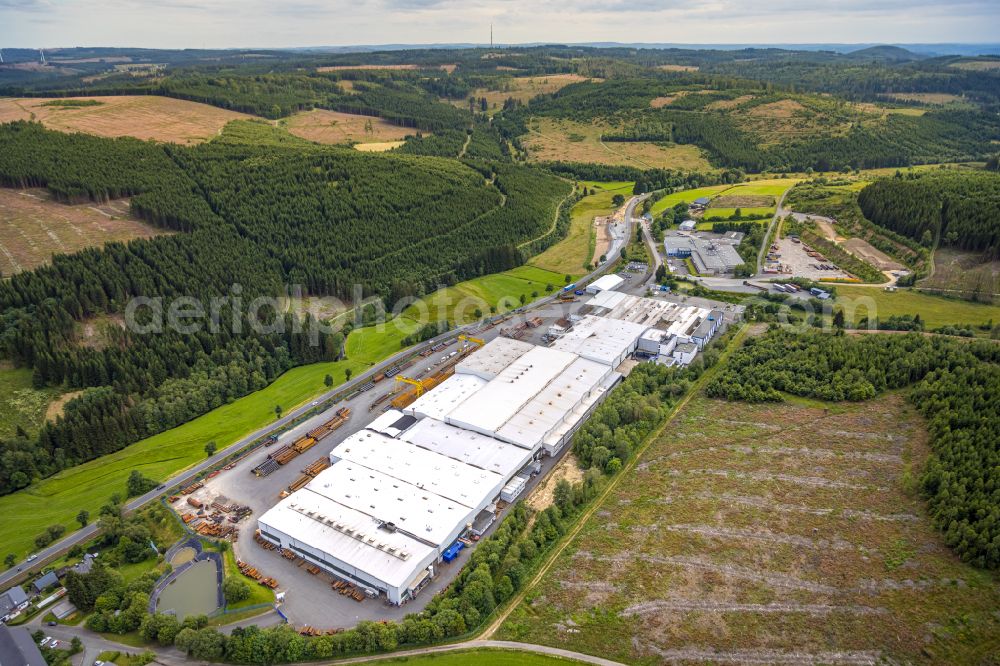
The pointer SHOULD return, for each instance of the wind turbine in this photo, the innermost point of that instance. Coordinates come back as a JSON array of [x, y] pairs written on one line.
[[43, 56]]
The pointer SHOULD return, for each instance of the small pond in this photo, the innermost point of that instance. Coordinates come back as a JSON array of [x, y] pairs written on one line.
[[194, 592]]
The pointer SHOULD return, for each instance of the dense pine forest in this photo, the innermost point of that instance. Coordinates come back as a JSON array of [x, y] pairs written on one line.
[[260, 217], [954, 384], [962, 209]]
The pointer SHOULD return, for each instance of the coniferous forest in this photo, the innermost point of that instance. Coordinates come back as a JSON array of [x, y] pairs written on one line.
[[260, 217]]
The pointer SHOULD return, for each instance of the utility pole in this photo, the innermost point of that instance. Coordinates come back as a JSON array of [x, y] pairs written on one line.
[[491, 36]]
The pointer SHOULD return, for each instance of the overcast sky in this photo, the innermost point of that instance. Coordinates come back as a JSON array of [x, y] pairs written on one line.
[[277, 23]]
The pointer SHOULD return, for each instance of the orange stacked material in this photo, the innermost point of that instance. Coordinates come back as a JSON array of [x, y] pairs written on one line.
[[284, 455], [304, 444], [299, 483], [315, 468]]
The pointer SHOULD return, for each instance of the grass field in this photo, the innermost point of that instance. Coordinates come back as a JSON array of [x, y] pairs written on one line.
[[936, 311], [552, 140], [500, 290], [687, 196], [575, 252], [724, 213], [333, 127], [787, 533], [33, 228], [770, 187], [88, 486], [141, 116], [20, 404], [480, 657]]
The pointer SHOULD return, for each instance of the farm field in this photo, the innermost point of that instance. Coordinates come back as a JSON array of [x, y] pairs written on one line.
[[141, 116], [575, 252], [57, 500], [521, 88], [333, 127], [33, 228], [935, 311], [963, 274], [21, 405], [501, 290], [553, 140], [789, 533]]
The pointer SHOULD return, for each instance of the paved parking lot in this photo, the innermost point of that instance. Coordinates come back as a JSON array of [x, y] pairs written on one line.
[[799, 264]]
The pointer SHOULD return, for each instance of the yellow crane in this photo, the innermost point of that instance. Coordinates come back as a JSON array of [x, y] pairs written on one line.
[[420, 385], [476, 341]]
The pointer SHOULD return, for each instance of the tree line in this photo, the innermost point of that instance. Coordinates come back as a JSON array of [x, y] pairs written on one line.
[[962, 209]]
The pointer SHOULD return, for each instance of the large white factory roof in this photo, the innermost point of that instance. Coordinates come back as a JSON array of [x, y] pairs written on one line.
[[351, 536], [493, 405], [491, 359], [450, 393], [391, 422], [600, 339], [554, 403], [422, 513], [469, 447], [554, 437], [427, 470]]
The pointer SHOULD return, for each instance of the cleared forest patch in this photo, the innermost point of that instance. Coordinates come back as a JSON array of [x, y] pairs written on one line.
[[333, 127], [554, 140], [788, 533], [141, 116], [33, 228], [522, 88]]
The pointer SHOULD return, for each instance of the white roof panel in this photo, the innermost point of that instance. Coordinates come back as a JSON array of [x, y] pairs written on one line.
[[600, 339], [469, 447], [554, 403], [422, 513], [491, 359], [606, 282], [333, 528], [494, 404], [427, 470], [443, 398]]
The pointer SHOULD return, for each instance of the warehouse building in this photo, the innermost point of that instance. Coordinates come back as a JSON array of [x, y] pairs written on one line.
[[608, 282], [400, 493]]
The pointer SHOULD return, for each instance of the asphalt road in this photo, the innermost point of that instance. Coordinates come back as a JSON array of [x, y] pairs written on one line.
[[51, 552]]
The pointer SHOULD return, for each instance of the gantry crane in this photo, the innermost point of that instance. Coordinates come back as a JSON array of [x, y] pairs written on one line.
[[476, 341]]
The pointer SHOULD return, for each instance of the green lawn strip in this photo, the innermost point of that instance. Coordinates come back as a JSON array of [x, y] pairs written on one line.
[[481, 657], [258, 593], [58, 499], [500, 290], [936, 311], [574, 253], [615, 187], [723, 214]]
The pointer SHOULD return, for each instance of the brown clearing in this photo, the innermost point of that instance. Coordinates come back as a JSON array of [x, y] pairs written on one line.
[[785, 108], [544, 494], [33, 227], [788, 533], [333, 127], [55, 408], [141, 116], [678, 68], [742, 201]]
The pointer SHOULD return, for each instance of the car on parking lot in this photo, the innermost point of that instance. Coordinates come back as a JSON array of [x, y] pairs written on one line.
[[51, 623]]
